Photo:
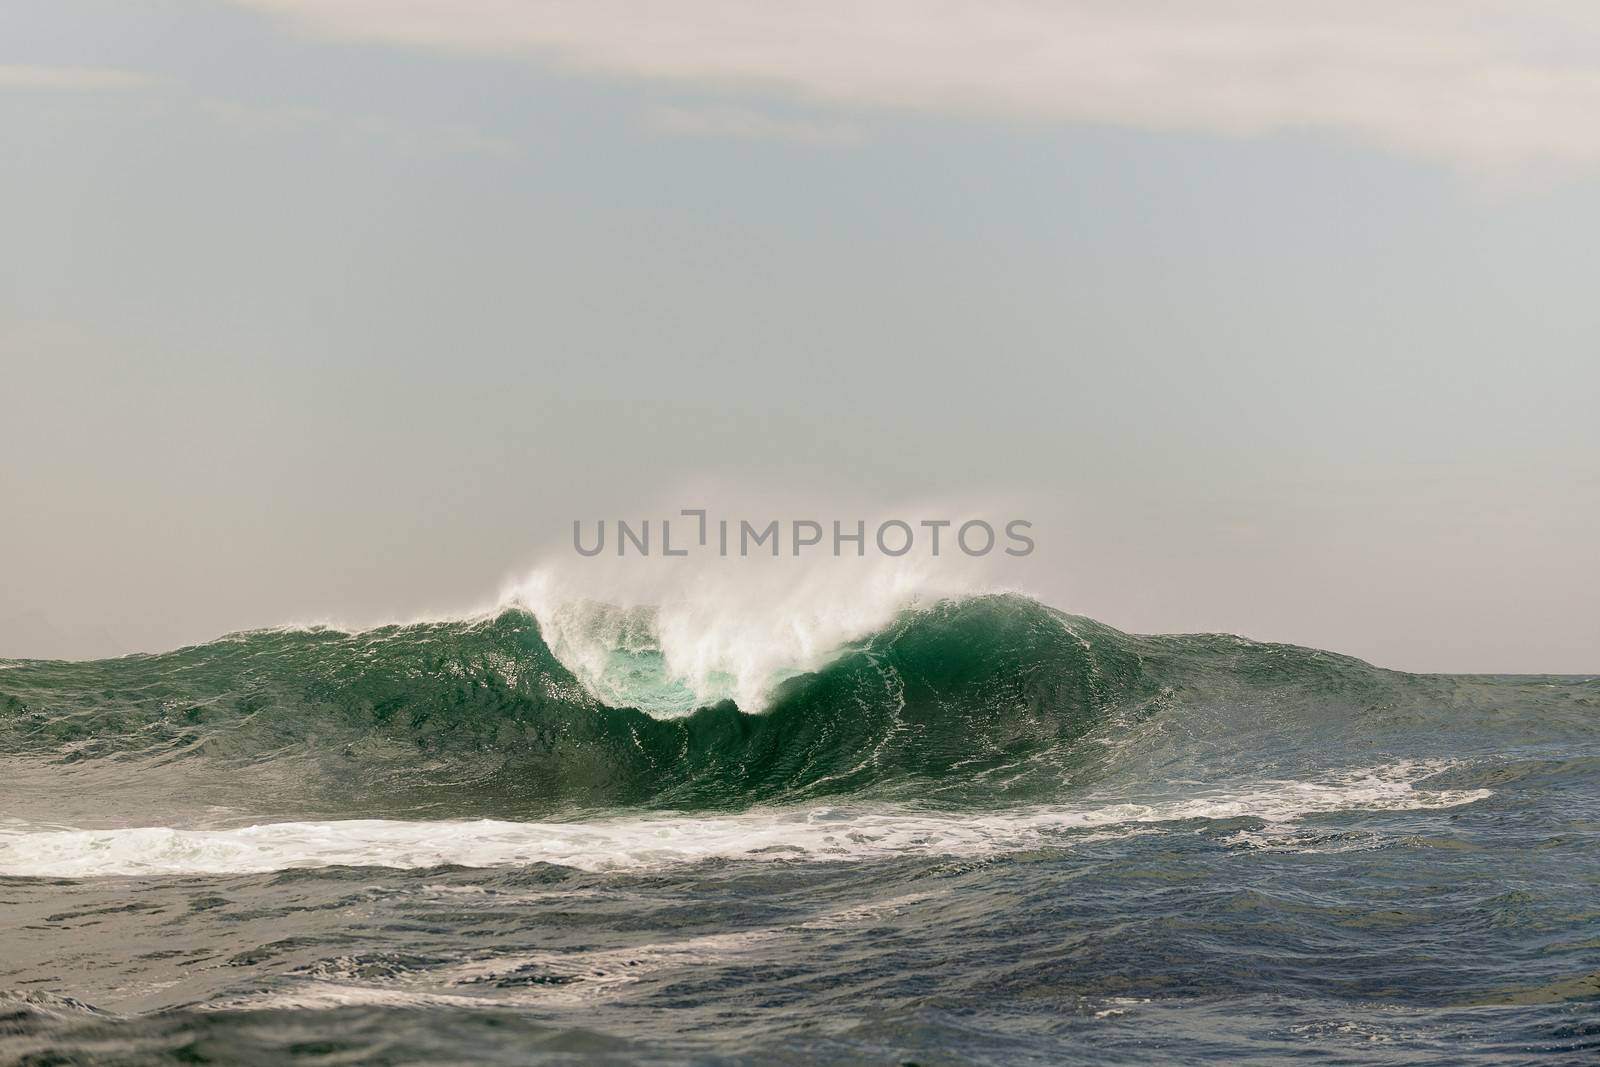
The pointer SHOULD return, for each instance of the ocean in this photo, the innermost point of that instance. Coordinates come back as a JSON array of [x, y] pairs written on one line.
[[985, 832]]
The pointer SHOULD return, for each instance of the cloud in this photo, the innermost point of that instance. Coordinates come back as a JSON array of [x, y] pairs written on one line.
[[1487, 85], [270, 121], [748, 124], [78, 79]]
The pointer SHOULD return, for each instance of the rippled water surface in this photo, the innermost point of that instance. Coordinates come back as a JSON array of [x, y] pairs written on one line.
[[990, 833]]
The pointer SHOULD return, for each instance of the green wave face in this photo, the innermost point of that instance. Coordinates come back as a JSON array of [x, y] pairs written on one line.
[[982, 701]]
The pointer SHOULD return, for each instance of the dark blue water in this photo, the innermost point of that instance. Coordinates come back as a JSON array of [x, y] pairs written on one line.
[[989, 834]]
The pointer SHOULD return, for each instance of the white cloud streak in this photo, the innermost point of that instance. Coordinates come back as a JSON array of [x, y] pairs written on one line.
[[1494, 86], [747, 124], [272, 121], [74, 79]]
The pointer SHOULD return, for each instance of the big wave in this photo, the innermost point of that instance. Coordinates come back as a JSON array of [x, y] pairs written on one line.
[[984, 700]]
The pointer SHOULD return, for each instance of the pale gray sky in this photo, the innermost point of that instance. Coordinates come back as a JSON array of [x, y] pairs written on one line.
[[1277, 319]]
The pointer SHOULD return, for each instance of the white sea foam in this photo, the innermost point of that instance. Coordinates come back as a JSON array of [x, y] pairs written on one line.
[[722, 628], [581, 975], [664, 840]]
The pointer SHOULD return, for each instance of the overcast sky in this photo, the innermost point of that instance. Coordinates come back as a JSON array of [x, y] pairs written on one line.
[[1277, 319]]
